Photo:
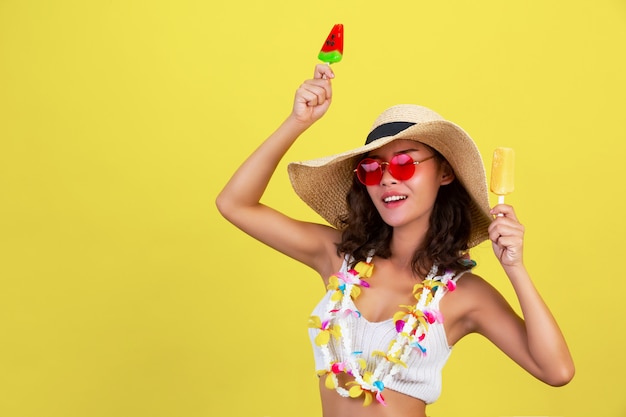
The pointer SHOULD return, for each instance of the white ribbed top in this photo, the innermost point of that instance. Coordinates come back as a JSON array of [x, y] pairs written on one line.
[[422, 376]]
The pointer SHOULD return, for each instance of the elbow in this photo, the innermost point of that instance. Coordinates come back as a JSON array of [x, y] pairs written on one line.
[[230, 208], [223, 205], [561, 377]]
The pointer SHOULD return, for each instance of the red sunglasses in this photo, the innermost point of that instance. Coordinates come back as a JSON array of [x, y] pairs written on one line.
[[402, 167]]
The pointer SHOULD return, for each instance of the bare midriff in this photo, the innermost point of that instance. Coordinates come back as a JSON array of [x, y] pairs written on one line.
[[398, 405]]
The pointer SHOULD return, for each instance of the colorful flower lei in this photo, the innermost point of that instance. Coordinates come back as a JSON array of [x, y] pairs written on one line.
[[411, 325]]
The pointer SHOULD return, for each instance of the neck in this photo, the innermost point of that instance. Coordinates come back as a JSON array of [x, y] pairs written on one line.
[[404, 243]]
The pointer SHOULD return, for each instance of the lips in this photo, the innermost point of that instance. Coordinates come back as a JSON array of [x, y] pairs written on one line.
[[392, 198]]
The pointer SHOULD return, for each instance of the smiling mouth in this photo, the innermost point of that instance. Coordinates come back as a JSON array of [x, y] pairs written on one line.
[[393, 198]]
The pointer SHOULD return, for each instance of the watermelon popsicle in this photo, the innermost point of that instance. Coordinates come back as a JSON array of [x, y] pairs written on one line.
[[332, 49], [502, 172]]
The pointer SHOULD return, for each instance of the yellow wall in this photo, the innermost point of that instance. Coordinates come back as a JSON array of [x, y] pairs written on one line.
[[123, 293]]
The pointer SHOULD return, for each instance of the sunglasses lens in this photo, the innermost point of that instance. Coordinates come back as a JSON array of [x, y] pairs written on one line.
[[402, 167], [369, 171]]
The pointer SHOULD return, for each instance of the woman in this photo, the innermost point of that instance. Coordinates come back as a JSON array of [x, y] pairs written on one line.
[[406, 207]]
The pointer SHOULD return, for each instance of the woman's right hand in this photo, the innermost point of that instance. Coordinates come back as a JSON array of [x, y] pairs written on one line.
[[314, 96]]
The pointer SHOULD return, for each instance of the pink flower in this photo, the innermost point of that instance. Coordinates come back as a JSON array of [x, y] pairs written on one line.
[[337, 367], [400, 325], [433, 316]]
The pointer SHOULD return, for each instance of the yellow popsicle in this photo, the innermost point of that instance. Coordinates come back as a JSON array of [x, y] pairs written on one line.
[[502, 172]]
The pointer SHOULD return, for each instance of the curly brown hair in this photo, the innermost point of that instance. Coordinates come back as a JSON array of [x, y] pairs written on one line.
[[445, 244]]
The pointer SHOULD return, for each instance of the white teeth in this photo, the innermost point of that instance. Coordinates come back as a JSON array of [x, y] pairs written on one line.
[[394, 198]]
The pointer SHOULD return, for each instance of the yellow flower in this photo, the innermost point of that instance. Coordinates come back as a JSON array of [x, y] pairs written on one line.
[[413, 311], [364, 269], [338, 283], [355, 292], [389, 358], [427, 285], [326, 330], [356, 390], [333, 283], [331, 381]]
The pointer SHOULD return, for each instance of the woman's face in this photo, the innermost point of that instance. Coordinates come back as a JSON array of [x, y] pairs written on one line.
[[406, 202]]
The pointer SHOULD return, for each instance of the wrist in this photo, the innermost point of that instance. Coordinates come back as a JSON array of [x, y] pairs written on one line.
[[515, 270], [295, 124]]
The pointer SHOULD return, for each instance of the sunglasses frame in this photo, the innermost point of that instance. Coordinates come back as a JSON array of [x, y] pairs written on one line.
[[380, 170]]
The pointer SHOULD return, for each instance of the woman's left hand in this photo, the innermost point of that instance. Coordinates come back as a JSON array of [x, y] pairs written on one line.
[[506, 235]]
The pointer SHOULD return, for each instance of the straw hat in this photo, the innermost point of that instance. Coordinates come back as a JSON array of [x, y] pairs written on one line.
[[324, 183]]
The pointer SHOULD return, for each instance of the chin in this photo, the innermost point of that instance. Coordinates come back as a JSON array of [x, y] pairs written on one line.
[[395, 222]]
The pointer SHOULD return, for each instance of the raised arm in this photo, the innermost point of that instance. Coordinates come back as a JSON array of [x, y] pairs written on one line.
[[239, 200], [535, 342]]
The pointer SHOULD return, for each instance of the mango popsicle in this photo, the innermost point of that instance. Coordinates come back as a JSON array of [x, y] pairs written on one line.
[[332, 49], [502, 172]]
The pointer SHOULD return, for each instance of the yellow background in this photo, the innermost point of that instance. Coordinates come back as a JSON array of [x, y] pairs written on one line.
[[124, 293]]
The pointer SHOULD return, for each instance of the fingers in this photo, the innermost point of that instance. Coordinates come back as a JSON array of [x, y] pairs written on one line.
[[323, 71], [314, 96], [315, 92], [503, 210], [505, 223], [507, 234]]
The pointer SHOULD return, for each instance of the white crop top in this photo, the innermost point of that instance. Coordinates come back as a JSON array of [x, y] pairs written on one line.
[[421, 378]]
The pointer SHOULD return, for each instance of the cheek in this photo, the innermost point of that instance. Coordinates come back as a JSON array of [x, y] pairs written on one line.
[[371, 192], [427, 184]]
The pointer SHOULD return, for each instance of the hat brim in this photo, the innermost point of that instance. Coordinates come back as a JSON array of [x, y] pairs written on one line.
[[323, 183]]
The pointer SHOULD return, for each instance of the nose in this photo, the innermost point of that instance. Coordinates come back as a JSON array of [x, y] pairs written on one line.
[[387, 178]]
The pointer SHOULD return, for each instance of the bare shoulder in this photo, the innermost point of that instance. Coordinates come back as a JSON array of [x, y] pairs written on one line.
[[477, 292], [475, 285]]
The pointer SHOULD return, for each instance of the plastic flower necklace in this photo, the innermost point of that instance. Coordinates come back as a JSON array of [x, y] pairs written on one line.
[[411, 325]]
